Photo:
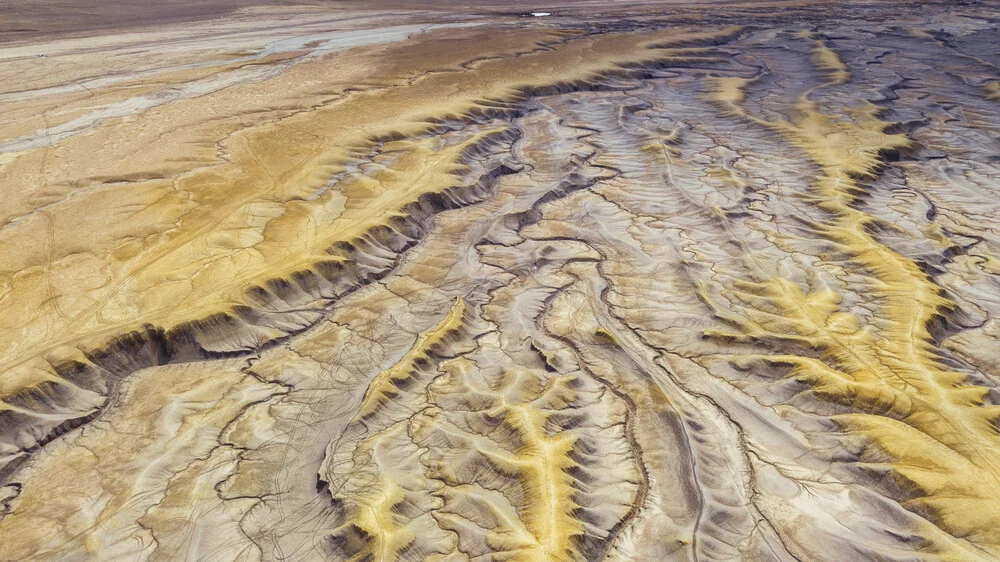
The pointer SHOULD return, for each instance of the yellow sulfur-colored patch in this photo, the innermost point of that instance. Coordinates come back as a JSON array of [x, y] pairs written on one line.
[[170, 249], [376, 519], [541, 465], [383, 386], [928, 419], [728, 89], [993, 90], [828, 61]]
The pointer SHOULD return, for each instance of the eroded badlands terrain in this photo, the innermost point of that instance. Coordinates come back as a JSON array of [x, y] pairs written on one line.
[[659, 282]]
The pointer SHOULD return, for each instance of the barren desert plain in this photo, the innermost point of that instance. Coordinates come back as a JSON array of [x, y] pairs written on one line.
[[501, 281]]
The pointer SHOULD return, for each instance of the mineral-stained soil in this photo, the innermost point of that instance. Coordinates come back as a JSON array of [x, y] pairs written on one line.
[[652, 281]]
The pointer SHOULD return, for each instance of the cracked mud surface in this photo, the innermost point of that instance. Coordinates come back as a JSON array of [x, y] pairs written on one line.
[[659, 282]]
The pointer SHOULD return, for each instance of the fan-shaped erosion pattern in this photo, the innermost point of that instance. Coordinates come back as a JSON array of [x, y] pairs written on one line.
[[623, 282]]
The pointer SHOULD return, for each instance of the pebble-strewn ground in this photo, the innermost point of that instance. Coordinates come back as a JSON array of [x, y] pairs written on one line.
[[651, 282]]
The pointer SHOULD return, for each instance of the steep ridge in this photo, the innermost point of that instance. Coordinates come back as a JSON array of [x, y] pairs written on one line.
[[367, 215]]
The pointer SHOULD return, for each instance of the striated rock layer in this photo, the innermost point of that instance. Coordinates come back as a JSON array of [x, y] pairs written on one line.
[[641, 282]]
